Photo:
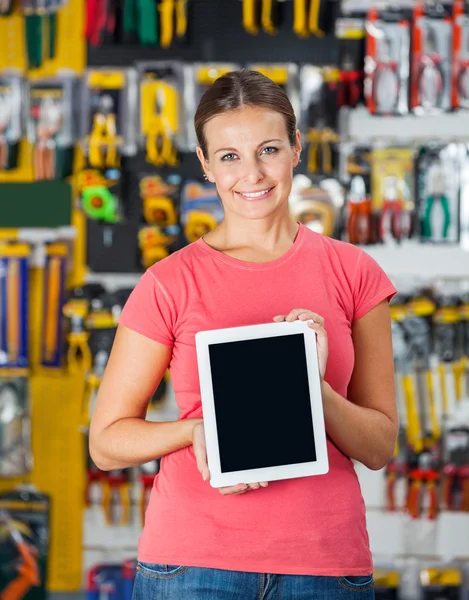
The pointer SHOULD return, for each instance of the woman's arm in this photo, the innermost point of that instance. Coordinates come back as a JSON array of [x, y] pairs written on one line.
[[119, 435], [365, 426]]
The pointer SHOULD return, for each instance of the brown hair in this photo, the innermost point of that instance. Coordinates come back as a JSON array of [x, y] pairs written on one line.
[[243, 88]]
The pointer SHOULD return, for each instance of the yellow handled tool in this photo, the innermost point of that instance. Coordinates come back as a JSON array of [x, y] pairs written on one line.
[[300, 17], [434, 422], [13, 320], [414, 431], [267, 17], [251, 16], [166, 8], [52, 309], [103, 141], [181, 18], [313, 18]]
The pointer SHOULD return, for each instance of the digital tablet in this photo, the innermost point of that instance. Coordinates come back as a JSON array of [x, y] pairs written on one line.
[[261, 402]]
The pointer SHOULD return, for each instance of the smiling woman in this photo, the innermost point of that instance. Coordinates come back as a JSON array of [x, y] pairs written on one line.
[[297, 539]]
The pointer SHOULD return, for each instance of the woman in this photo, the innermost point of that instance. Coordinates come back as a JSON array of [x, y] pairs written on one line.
[[297, 539]]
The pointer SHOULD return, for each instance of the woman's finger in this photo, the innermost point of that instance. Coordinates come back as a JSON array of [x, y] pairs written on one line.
[[319, 329], [241, 488], [310, 315], [280, 318]]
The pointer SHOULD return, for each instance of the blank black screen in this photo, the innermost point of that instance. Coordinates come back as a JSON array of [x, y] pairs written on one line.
[[262, 403]]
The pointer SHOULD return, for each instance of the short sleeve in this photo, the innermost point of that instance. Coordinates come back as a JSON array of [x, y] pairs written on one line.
[[371, 285], [149, 311]]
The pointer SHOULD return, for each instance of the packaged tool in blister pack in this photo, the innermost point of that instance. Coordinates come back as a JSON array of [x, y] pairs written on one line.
[[11, 96], [160, 210], [197, 79], [392, 193], [109, 106], [24, 543], [286, 76], [460, 74], [316, 205], [111, 581], [161, 122], [455, 488], [350, 31], [14, 305], [387, 582], [318, 117], [431, 58], [55, 272], [51, 126], [100, 193], [201, 209], [441, 582], [438, 192], [387, 62], [40, 18], [15, 426]]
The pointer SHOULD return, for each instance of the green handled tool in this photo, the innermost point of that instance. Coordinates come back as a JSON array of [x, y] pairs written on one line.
[[436, 195]]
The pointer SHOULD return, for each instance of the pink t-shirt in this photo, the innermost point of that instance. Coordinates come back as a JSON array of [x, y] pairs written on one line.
[[308, 526]]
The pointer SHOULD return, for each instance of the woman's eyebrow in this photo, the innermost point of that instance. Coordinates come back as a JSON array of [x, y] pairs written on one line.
[[261, 144]]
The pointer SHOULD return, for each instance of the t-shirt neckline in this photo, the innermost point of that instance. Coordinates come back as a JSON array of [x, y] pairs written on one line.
[[244, 264]]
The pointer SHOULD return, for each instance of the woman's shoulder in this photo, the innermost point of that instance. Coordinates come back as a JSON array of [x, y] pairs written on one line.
[[175, 264], [334, 249]]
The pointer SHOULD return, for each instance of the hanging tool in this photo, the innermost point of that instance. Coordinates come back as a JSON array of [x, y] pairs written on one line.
[[15, 458], [431, 77], [359, 218], [423, 478], [437, 187], [141, 21], [173, 21], [349, 90], [252, 16], [79, 354], [270, 16], [5, 118], [393, 222], [48, 117], [447, 345], [28, 569], [5, 7], [100, 204], [159, 146], [116, 497], [103, 138], [386, 82], [321, 150], [455, 493], [101, 20], [13, 320], [54, 287], [300, 18]]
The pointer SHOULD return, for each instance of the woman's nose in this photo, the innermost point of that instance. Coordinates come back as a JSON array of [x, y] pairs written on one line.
[[252, 171]]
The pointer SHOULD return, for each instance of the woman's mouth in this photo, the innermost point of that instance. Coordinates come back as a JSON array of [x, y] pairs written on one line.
[[256, 195]]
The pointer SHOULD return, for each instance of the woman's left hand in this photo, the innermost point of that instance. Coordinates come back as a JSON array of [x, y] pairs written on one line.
[[317, 324]]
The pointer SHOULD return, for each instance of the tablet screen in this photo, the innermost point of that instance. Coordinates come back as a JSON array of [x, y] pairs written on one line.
[[262, 403]]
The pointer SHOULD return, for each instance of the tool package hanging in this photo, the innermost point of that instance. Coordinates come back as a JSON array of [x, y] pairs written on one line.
[[40, 17], [432, 58], [460, 78], [52, 115], [54, 296], [15, 426], [438, 192], [11, 102], [318, 119], [109, 106], [387, 62], [161, 122], [14, 294]]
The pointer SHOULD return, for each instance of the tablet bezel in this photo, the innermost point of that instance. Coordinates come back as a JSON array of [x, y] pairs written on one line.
[[203, 340]]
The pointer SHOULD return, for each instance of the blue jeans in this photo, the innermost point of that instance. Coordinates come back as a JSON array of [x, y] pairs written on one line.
[[167, 582]]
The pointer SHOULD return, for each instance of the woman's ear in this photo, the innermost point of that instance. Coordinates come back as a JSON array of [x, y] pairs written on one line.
[[204, 163], [297, 150]]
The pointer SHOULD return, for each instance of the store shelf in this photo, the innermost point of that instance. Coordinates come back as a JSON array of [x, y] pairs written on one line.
[[427, 261], [363, 127]]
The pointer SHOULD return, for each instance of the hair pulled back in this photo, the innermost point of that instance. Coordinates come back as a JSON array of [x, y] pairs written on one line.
[[242, 88]]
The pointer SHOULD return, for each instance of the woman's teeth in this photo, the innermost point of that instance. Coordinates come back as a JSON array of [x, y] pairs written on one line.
[[253, 195]]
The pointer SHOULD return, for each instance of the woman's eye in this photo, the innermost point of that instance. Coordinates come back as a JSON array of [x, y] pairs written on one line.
[[229, 157], [270, 150]]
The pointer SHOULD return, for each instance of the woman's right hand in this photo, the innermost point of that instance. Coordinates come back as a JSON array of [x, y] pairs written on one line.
[[200, 451]]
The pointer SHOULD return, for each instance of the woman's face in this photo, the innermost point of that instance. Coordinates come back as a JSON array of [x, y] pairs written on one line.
[[251, 161]]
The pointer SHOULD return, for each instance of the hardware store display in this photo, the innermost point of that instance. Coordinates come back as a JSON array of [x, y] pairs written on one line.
[[98, 181]]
